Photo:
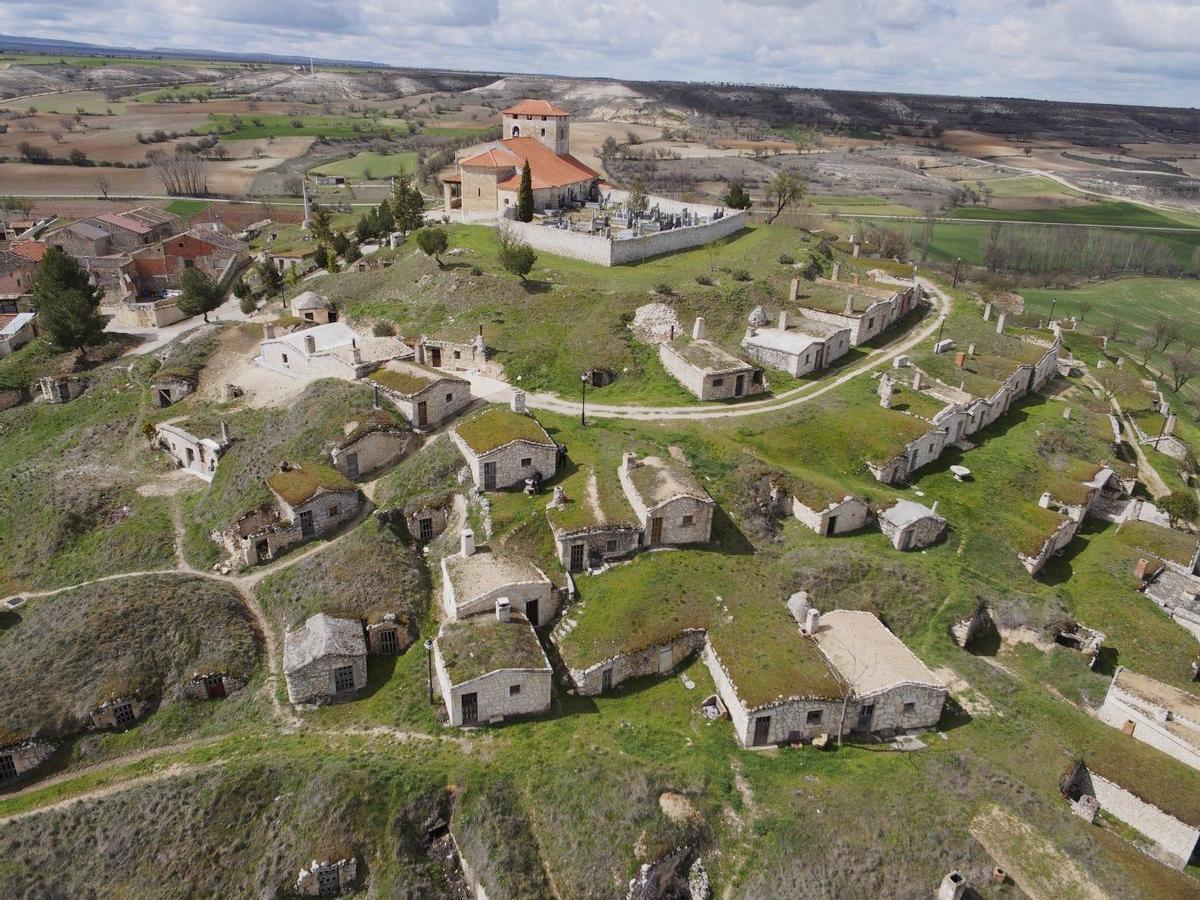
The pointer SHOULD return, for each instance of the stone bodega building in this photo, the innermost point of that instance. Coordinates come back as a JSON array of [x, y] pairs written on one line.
[[324, 660], [426, 397], [708, 371], [505, 447], [473, 580], [19, 755], [373, 442], [490, 668], [910, 525], [1158, 714], [670, 505]]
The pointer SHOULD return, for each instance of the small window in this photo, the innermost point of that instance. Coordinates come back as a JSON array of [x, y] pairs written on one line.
[[458, 354], [910, 707], [449, 398], [343, 679], [284, 357], [689, 521], [868, 709], [513, 690], [610, 546], [526, 462], [188, 263], [543, 132], [333, 511], [814, 716], [478, 192], [717, 382]]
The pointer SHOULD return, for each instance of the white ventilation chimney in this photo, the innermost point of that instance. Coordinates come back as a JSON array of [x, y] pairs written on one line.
[[699, 329], [837, 271], [1067, 413], [916, 379], [749, 333], [630, 461], [849, 311], [268, 332], [517, 404], [987, 312], [970, 349], [224, 432], [467, 542], [503, 610], [812, 621], [794, 290], [1044, 500], [783, 320], [933, 509], [1000, 323], [310, 344]]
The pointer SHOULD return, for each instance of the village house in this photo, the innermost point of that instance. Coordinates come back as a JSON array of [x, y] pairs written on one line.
[[427, 517], [310, 500], [196, 456], [426, 397], [659, 658], [799, 345], [169, 387], [457, 356], [16, 278], [473, 580], [325, 660], [910, 525], [60, 388], [491, 668], [506, 447], [670, 505], [536, 132], [313, 307], [324, 351], [893, 691], [16, 330], [19, 755], [1169, 823], [1157, 714], [83, 240], [868, 311], [590, 531], [825, 509], [135, 228], [1056, 534], [159, 267], [34, 251], [373, 441], [916, 452], [709, 371]]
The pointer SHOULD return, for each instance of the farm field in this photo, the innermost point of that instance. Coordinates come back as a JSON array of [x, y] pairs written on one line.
[[370, 165]]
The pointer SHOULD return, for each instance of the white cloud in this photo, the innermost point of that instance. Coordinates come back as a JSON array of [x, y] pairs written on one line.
[[1138, 51]]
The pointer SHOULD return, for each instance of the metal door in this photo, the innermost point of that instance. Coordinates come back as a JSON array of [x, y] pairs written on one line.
[[426, 528], [8, 768], [489, 476], [124, 715], [215, 686], [656, 530], [762, 730], [352, 465], [577, 557], [388, 644], [666, 659], [606, 681]]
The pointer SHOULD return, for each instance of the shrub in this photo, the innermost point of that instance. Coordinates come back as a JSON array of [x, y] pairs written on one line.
[[475, 270], [704, 279], [383, 329], [786, 259], [664, 289], [741, 275]]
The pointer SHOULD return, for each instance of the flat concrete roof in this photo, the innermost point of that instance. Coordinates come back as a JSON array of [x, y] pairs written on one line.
[[483, 572], [1182, 704], [905, 512], [867, 655]]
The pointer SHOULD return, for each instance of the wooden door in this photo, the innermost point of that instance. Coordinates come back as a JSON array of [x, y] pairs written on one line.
[[832, 527], [214, 685], [352, 465], [435, 357], [762, 730], [489, 476], [577, 557], [306, 523], [866, 716], [422, 414], [470, 709], [656, 530]]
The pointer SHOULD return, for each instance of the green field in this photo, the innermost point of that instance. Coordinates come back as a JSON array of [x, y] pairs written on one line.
[[302, 126], [448, 132], [188, 208], [378, 165], [1022, 186], [1104, 212]]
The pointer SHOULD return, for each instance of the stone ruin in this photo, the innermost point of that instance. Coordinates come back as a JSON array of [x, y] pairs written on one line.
[[1085, 640], [758, 318], [327, 878]]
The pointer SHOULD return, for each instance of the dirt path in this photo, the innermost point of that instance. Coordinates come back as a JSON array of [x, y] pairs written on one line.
[[1146, 472], [1038, 867]]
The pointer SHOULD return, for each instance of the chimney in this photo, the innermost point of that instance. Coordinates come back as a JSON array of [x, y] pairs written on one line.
[[1169, 425], [1067, 413], [837, 271], [970, 349], [812, 621], [630, 461], [783, 320], [503, 610], [268, 332], [517, 403], [914, 273], [466, 542], [1000, 323], [1044, 500], [375, 396], [310, 344], [749, 333], [672, 335], [916, 379], [356, 356], [794, 290], [849, 311], [224, 432], [857, 279], [933, 509], [699, 329], [987, 312]]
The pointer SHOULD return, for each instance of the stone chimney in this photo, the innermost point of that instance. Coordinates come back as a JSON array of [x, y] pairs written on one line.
[[783, 320], [375, 396], [268, 331], [812, 621], [837, 271], [960, 359], [1000, 323], [1067, 413], [857, 279], [1044, 500], [224, 432], [310, 344], [749, 333], [794, 290], [517, 403], [953, 886], [699, 329], [356, 356], [503, 610], [987, 312], [916, 379], [933, 509], [886, 387], [970, 349], [466, 542], [849, 311], [1104, 343]]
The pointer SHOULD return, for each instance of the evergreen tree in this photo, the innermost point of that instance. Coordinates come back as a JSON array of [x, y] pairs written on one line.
[[321, 256], [269, 277], [321, 222], [433, 241], [525, 195], [70, 319], [58, 274], [407, 205], [737, 198], [199, 293]]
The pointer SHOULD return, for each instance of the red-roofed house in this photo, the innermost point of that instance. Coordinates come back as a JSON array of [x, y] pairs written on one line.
[[31, 250], [537, 132], [137, 227]]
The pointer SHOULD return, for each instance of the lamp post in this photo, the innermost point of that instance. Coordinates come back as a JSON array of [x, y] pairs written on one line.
[[429, 660], [1050, 318], [583, 380], [941, 328]]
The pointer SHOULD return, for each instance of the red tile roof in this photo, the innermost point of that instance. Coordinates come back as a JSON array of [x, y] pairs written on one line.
[[535, 108], [124, 222], [31, 250], [547, 169]]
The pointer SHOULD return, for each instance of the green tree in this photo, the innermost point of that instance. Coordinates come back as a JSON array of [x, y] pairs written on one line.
[[321, 256], [71, 320], [737, 198], [198, 294], [247, 305], [525, 195], [293, 275], [241, 289], [1180, 507], [368, 226], [340, 243], [638, 201], [61, 273], [516, 256], [320, 223], [386, 220], [407, 206], [783, 190], [433, 242], [269, 277]]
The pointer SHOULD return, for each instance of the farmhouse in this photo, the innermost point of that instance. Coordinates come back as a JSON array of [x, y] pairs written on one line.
[[708, 371], [1173, 832], [505, 448], [83, 240], [325, 659], [826, 510], [196, 456], [535, 132], [1157, 714], [325, 351], [894, 692], [670, 505], [591, 530], [473, 580], [797, 346], [207, 249], [426, 397], [136, 228], [491, 668], [911, 526], [16, 330], [313, 307], [372, 442], [18, 756]]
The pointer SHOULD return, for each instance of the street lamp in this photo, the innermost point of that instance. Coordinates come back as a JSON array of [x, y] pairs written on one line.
[[1050, 318], [429, 659], [583, 380]]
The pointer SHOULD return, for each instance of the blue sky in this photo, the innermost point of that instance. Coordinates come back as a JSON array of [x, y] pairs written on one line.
[[1093, 50]]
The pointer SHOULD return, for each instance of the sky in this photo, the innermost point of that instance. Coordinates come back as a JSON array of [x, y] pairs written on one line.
[[1084, 50]]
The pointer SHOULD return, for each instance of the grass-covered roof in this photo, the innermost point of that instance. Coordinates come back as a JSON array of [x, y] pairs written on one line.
[[475, 646], [497, 426], [301, 483]]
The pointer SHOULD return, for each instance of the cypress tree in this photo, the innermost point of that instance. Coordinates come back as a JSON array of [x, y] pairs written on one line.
[[525, 195]]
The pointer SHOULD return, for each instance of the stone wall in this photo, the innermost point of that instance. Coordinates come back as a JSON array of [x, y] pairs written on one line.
[[105, 715], [1061, 537], [851, 515], [891, 717], [518, 593], [1149, 725], [374, 450], [456, 356], [442, 400], [345, 871], [607, 542], [682, 371], [159, 314], [915, 535], [1174, 841], [329, 508], [656, 660], [674, 531], [494, 692], [27, 755], [509, 471], [314, 683]]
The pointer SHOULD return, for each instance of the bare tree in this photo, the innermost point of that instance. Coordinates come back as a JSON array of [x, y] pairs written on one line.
[[1085, 307], [56, 135], [182, 174], [1184, 367], [67, 123], [1145, 346], [221, 151], [1113, 331], [785, 189], [1170, 334], [103, 184], [293, 184], [928, 221]]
